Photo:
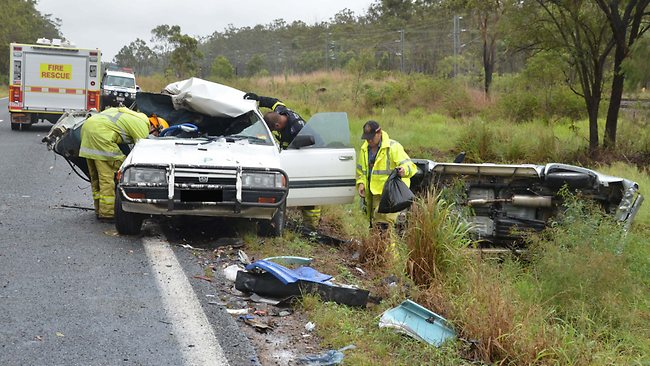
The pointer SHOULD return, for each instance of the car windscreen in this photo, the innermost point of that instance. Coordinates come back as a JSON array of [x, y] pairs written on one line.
[[121, 81], [249, 126]]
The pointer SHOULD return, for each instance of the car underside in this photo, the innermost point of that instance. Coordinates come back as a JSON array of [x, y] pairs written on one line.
[[502, 203]]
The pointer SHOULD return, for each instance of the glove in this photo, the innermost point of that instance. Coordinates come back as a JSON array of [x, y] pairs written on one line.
[[251, 96]]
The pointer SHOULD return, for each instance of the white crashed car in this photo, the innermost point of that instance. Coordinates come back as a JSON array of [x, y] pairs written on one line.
[[219, 159], [230, 165], [505, 201]]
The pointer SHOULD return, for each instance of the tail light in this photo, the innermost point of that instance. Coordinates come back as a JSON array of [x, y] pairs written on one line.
[[93, 100], [15, 96]]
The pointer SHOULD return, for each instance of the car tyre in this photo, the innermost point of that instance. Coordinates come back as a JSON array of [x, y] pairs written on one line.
[[274, 226], [126, 223]]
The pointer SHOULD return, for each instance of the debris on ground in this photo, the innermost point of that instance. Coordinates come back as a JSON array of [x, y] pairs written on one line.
[[418, 322], [204, 278], [310, 326], [276, 281], [256, 323], [231, 271], [315, 236], [237, 311], [331, 357], [243, 257], [290, 260], [277, 330]]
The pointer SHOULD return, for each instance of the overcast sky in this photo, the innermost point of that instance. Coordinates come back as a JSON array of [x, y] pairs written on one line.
[[111, 24]]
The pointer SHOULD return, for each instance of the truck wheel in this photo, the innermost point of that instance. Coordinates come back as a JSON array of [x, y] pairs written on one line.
[[274, 226], [20, 126], [126, 223]]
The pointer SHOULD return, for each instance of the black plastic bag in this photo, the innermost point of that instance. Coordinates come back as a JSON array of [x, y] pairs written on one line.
[[396, 195]]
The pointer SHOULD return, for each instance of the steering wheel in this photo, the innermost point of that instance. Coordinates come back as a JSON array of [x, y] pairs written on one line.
[[178, 129]]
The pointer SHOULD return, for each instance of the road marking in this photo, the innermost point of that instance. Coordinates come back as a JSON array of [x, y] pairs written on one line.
[[191, 326]]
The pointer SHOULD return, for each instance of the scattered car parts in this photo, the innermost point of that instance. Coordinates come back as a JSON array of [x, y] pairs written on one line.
[[418, 322]]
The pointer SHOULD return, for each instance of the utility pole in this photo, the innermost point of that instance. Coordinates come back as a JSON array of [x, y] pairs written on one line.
[[456, 42], [279, 62], [327, 51], [401, 49]]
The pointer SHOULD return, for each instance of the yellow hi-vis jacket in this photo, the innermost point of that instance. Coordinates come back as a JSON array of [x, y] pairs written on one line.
[[102, 132], [391, 154]]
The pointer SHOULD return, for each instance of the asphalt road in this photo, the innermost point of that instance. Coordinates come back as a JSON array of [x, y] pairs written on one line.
[[72, 292]]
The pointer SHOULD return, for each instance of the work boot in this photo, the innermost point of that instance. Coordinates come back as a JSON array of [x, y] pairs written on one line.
[[106, 220]]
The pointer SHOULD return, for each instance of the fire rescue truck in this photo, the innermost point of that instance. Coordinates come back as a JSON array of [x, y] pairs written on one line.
[[49, 78]]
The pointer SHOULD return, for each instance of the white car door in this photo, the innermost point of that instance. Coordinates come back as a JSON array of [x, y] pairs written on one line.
[[322, 173]]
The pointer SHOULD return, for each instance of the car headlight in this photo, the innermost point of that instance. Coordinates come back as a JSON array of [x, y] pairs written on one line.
[[114, 92], [106, 92], [263, 180], [144, 175]]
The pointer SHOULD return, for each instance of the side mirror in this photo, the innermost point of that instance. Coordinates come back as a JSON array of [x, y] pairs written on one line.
[[302, 141], [137, 87], [460, 158]]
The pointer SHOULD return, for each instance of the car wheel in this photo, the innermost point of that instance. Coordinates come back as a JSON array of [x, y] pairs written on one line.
[[126, 223], [274, 226]]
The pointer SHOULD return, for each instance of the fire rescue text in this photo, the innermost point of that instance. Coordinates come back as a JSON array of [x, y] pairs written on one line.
[[54, 71]]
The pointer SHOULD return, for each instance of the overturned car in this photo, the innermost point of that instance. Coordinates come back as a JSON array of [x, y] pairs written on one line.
[[218, 158], [506, 201]]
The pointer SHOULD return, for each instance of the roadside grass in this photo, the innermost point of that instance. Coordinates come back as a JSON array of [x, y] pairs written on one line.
[[4, 90], [578, 298]]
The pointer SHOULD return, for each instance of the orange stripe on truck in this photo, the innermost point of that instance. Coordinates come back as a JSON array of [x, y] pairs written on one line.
[[42, 89]]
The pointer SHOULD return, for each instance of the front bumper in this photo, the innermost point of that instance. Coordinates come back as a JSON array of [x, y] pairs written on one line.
[[115, 100], [229, 199]]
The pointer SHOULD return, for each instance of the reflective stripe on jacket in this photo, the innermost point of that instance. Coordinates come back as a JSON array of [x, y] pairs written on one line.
[[102, 132], [391, 154]]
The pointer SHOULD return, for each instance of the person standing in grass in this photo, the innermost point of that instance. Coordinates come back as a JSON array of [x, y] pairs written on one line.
[[378, 157]]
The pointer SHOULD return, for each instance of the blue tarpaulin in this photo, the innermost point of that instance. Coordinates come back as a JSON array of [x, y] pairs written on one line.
[[286, 275]]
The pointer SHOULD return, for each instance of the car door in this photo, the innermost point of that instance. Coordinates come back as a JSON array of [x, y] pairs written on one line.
[[322, 173]]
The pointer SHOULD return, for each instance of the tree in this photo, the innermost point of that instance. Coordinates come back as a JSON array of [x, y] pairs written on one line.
[[185, 56], [255, 65], [576, 32], [136, 55], [222, 68], [360, 66], [628, 21], [637, 67], [179, 49], [20, 22], [488, 14]]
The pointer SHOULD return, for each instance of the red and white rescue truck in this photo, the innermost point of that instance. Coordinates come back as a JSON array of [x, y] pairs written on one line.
[[49, 78]]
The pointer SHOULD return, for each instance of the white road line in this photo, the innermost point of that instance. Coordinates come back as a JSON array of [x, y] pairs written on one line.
[[191, 326]]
